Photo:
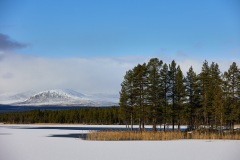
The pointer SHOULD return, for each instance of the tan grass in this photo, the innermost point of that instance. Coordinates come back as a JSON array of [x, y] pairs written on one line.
[[160, 135], [134, 135], [199, 135]]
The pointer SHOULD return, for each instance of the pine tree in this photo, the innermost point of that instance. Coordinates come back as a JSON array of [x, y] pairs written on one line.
[[180, 95], [218, 108], [165, 86], [154, 90], [139, 92], [193, 98], [127, 98], [172, 91], [232, 80], [215, 86], [205, 86], [238, 96]]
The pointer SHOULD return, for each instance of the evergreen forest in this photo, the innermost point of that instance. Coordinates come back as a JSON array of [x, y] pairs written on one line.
[[91, 115], [161, 94]]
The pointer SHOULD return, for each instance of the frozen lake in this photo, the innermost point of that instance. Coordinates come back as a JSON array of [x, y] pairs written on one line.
[[62, 142]]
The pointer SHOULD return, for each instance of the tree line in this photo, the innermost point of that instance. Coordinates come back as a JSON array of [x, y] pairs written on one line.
[[160, 94], [109, 115]]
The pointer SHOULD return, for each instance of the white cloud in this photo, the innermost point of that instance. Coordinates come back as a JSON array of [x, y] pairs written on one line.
[[19, 73]]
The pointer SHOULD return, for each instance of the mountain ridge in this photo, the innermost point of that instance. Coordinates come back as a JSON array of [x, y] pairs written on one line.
[[65, 97]]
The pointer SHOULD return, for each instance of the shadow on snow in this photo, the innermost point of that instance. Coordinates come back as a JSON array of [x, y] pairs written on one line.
[[73, 135]]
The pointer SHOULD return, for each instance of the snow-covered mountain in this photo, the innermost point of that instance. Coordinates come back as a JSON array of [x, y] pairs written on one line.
[[64, 97], [50, 97]]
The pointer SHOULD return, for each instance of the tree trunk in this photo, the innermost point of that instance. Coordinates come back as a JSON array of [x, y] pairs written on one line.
[[173, 123], [154, 124], [179, 125], [131, 121], [143, 121], [173, 116], [140, 125]]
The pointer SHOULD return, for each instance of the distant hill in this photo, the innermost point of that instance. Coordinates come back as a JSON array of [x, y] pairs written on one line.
[[60, 97]]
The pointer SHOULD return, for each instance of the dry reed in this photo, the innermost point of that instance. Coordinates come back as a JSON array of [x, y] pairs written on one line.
[[159, 135]]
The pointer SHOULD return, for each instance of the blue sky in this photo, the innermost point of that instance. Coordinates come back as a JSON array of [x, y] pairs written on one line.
[[62, 28], [118, 33]]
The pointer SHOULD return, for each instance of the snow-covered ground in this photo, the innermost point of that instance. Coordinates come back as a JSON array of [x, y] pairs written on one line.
[[62, 142]]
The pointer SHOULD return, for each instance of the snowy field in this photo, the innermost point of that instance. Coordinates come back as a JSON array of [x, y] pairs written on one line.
[[63, 142]]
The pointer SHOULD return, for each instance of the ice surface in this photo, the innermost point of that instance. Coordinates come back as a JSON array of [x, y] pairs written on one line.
[[37, 142]]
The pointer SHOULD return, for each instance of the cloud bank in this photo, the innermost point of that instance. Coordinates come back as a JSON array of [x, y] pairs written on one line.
[[20, 73]]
